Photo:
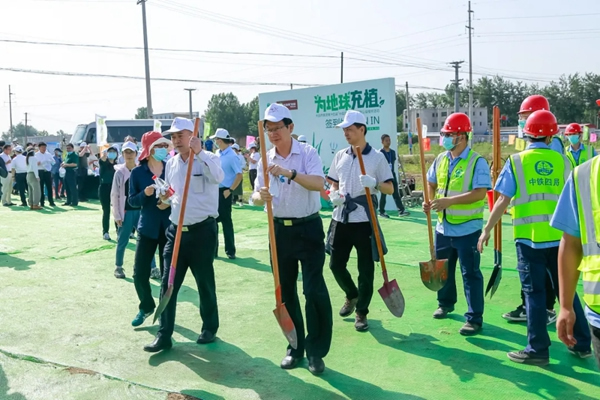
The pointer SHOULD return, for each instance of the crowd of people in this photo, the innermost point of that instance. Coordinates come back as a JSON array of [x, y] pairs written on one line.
[[554, 198]]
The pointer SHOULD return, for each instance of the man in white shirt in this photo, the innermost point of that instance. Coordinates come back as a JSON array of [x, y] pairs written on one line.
[[351, 224], [198, 235], [19, 170], [253, 159], [7, 182], [45, 162]]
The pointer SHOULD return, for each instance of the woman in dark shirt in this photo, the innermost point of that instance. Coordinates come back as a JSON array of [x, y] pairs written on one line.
[[107, 172], [154, 218]]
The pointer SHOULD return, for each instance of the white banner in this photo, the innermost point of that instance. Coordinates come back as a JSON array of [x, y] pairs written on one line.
[[157, 126], [101, 130]]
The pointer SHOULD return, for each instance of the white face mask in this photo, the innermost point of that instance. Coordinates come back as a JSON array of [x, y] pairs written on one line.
[[521, 126]]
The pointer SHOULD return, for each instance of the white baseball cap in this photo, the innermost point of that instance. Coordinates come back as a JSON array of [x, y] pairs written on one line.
[[82, 144], [352, 117], [221, 134], [236, 146], [302, 138], [129, 146], [180, 124], [251, 145], [18, 149], [276, 112]]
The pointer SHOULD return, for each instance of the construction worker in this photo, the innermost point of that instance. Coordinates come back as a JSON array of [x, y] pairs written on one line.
[[458, 181], [577, 152], [531, 104], [577, 215], [534, 179]]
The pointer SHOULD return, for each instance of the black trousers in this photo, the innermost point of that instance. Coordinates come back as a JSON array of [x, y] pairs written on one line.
[[252, 175], [550, 294], [196, 252], [104, 196], [395, 195], [71, 184], [46, 180], [21, 182], [304, 244], [347, 236], [144, 254], [225, 220], [81, 186]]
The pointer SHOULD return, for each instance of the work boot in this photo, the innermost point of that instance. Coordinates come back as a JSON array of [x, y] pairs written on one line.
[[119, 273], [442, 312], [360, 322], [517, 315], [528, 358], [348, 307]]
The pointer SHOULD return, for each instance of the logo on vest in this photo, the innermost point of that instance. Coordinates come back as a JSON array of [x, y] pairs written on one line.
[[459, 172], [544, 168]]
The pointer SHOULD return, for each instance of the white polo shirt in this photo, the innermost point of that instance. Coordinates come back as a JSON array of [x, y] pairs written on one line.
[[345, 170], [19, 164], [256, 157], [203, 194], [46, 160]]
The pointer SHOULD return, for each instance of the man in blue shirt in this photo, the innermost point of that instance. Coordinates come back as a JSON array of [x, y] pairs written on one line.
[[390, 156], [233, 177], [456, 240], [566, 219]]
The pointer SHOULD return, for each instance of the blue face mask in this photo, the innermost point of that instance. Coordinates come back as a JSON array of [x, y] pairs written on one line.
[[448, 143], [160, 154], [574, 139], [112, 155]]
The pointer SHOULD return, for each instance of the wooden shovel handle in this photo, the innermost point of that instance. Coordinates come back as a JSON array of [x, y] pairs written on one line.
[[358, 151], [425, 186], [186, 187], [272, 241]]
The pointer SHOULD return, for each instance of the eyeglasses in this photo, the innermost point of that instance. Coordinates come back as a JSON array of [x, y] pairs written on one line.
[[277, 129], [161, 146]]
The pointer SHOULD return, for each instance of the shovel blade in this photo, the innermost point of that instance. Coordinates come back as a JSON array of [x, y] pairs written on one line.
[[163, 303], [494, 281], [393, 298], [287, 325], [434, 274]]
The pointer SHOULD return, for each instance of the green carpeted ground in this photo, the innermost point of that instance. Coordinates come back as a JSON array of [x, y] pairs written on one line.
[[65, 328]]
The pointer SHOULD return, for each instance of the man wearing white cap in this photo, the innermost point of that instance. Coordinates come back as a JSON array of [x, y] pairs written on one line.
[[233, 177], [19, 170], [351, 224], [253, 159], [199, 231], [299, 235]]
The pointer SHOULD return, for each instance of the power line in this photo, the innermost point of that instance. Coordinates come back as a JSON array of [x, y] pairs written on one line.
[[539, 16]]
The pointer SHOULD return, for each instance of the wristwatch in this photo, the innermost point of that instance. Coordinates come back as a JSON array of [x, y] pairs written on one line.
[[294, 173]]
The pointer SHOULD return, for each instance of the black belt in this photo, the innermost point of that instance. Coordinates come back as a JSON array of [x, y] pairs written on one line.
[[189, 228], [295, 221]]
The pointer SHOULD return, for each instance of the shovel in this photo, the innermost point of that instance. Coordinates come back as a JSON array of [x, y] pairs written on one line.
[[167, 295], [390, 291], [281, 313], [434, 273], [496, 276]]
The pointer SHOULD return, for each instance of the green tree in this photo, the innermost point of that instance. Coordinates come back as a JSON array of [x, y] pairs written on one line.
[[225, 111], [142, 113], [19, 132], [252, 115]]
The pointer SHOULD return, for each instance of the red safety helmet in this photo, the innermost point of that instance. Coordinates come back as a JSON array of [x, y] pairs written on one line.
[[541, 123], [457, 123], [534, 103], [573, 129]]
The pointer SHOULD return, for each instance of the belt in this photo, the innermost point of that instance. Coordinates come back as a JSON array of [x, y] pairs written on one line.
[[188, 228], [295, 221]]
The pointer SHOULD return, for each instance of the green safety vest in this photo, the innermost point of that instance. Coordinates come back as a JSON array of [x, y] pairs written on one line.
[[587, 190], [541, 175], [584, 155], [461, 181]]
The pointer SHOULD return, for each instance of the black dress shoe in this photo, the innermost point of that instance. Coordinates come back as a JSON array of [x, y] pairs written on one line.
[[231, 256], [159, 344], [66, 204], [290, 362], [206, 337], [52, 205], [316, 366]]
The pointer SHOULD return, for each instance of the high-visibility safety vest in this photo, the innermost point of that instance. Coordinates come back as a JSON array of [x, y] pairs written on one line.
[[461, 181], [541, 175], [584, 155], [587, 189]]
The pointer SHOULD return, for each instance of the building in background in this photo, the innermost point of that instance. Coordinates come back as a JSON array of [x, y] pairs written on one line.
[[434, 119]]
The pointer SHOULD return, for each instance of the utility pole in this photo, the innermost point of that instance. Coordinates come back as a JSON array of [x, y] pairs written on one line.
[[147, 60], [408, 120], [291, 86], [456, 66], [342, 69], [470, 70], [191, 112], [10, 94], [25, 143]]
